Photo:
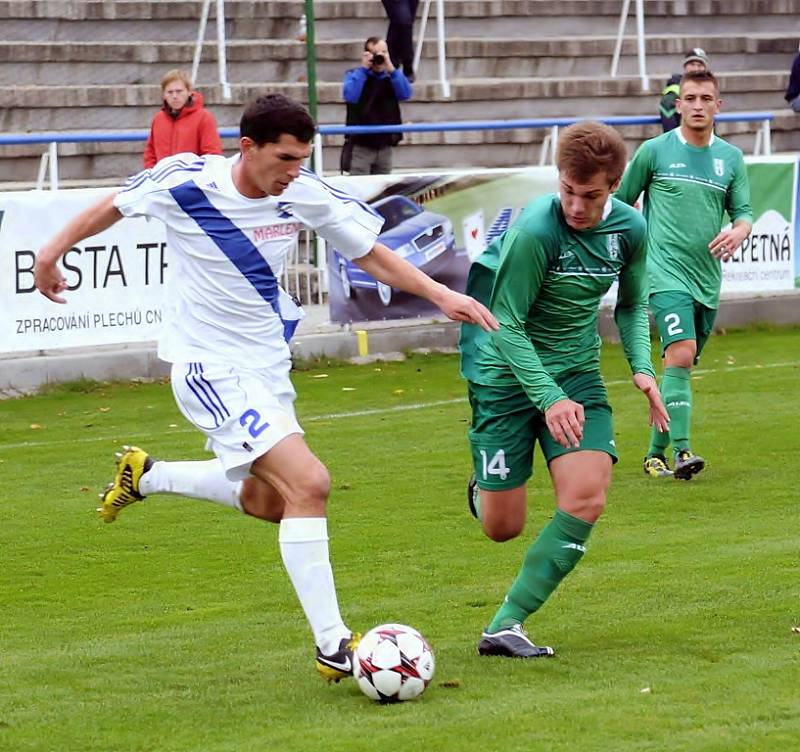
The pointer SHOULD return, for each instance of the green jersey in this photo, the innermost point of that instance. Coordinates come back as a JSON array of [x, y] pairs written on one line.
[[543, 281], [687, 190]]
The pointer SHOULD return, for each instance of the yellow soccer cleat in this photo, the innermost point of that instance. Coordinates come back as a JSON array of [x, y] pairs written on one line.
[[132, 463], [339, 665], [656, 466]]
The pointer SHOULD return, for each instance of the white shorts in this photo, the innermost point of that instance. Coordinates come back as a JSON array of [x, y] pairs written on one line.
[[244, 412]]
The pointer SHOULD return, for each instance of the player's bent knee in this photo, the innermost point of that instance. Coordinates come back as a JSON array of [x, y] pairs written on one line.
[[681, 354], [503, 513], [502, 530], [503, 525], [313, 489]]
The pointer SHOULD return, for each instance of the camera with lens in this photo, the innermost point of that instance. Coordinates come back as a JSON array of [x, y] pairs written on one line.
[[378, 59]]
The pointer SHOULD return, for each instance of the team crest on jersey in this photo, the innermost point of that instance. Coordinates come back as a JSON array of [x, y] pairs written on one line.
[[613, 247], [719, 167], [566, 259]]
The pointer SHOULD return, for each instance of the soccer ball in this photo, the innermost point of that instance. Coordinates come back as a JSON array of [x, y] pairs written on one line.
[[393, 663]]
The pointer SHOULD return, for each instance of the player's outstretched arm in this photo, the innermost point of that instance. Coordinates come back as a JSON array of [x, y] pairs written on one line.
[[91, 221], [659, 417], [389, 268]]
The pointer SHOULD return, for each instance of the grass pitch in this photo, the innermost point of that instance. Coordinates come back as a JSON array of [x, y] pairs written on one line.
[[176, 629]]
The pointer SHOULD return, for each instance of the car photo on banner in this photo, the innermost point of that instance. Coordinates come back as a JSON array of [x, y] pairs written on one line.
[[421, 237], [438, 222]]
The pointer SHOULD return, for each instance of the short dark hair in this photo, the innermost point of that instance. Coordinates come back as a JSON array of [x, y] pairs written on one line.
[[265, 119], [370, 41], [700, 77], [586, 148]]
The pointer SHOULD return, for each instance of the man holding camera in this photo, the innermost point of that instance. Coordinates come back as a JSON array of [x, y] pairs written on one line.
[[373, 93]]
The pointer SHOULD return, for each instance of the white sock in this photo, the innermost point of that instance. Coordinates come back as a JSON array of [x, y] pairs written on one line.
[[198, 480], [304, 549]]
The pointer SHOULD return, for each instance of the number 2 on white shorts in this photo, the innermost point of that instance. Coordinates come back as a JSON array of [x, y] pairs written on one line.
[[250, 420]]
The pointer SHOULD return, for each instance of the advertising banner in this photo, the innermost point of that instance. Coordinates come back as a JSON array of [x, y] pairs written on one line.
[[767, 260], [438, 222], [465, 212], [115, 279]]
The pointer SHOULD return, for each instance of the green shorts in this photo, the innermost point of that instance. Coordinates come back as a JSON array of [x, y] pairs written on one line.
[[680, 317], [506, 426]]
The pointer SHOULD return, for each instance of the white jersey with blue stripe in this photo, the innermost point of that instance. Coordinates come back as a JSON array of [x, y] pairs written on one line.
[[226, 252]]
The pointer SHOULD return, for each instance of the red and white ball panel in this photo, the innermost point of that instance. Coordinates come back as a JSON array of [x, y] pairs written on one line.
[[393, 662]]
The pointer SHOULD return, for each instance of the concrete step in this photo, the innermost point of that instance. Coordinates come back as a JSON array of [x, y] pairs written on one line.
[[177, 20], [285, 61], [98, 117], [155, 20], [178, 30], [515, 19], [75, 108], [521, 91]]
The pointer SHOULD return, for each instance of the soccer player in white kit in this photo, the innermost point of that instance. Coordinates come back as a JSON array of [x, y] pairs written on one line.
[[230, 224]]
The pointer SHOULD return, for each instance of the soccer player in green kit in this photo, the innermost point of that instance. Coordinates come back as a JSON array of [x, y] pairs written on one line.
[[690, 179], [538, 377]]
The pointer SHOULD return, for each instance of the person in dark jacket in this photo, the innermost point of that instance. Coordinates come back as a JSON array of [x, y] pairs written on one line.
[[695, 60], [373, 93], [182, 124], [793, 89], [400, 35]]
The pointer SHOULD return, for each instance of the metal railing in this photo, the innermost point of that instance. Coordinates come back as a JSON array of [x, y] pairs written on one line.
[[440, 41], [222, 59], [623, 19], [762, 145]]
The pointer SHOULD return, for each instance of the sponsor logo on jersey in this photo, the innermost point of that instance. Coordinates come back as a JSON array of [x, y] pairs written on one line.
[[270, 232], [677, 166], [719, 167]]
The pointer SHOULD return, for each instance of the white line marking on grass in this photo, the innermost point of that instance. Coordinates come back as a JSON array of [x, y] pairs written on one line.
[[190, 429], [367, 412]]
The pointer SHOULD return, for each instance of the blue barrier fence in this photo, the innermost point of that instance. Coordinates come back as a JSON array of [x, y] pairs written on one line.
[[69, 137], [762, 145]]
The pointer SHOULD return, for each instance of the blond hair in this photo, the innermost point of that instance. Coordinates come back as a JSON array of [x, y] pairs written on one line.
[[176, 74]]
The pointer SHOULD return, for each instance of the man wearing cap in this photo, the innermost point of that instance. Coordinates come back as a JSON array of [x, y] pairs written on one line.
[[694, 60]]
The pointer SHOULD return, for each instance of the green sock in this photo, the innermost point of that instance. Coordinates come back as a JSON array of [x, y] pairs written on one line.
[[659, 441], [549, 559], [676, 388]]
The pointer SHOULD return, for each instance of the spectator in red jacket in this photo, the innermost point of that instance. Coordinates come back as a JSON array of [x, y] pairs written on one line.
[[182, 124]]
